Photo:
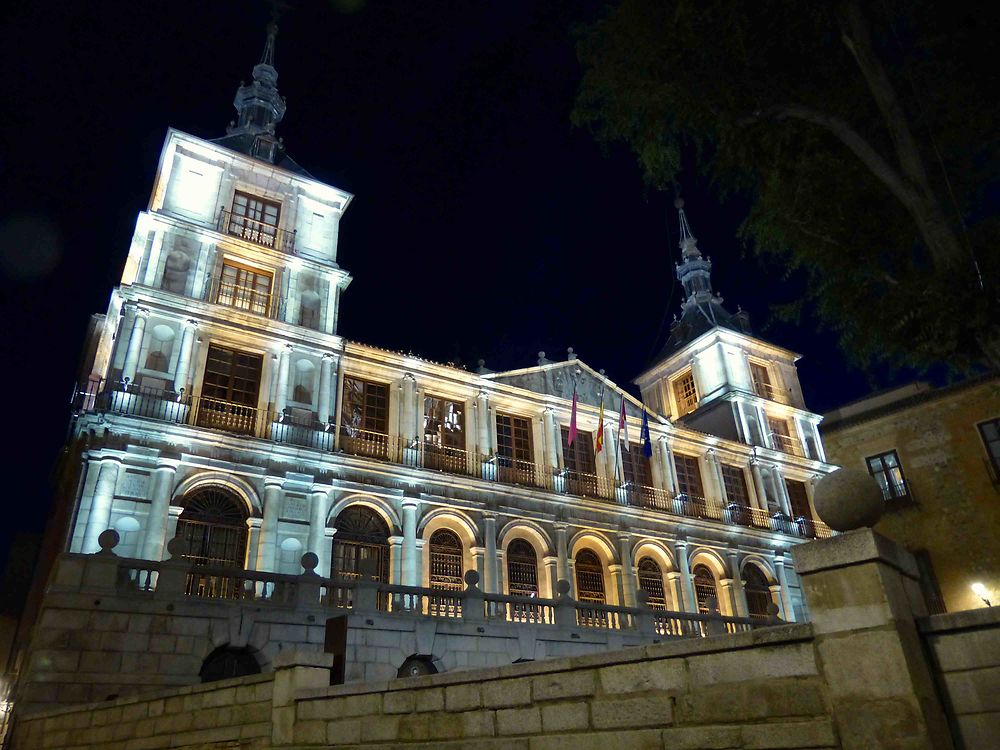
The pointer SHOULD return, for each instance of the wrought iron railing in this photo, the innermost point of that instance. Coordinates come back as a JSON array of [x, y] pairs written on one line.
[[306, 431], [770, 392], [255, 231], [787, 444]]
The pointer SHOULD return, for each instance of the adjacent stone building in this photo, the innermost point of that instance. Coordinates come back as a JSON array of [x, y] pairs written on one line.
[[219, 406], [936, 454]]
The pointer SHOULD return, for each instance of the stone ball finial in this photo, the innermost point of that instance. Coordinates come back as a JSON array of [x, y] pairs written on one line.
[[481, 362], [108, 540], [177, 547], [562, 587], [848, 499], [471, 578], [541, 355], [309, 561], [679, 203]]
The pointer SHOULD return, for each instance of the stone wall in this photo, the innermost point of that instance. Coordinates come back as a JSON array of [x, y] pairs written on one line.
[[944, 463], [965, 649], [752, 690]]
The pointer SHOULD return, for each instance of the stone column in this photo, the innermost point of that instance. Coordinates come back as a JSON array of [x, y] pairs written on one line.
[[490, 578], [760, 494], [667, 467], [552, 438], [786, 598], [134, 345], [159, 503], [727, 596], [410, 565], [483, 424], [330, 323], [781, 491], [253, 542], [629, 583], [676, 591], [407, 425], [281, 390], [338, 405], [562, 554], [618, 583], [864, 601], [267, 547], [742, 609], [396, 560], [720, 483], [687, 585], [325, 376], [317, 527], [184, 358], [173, 513], [100, 504], [551, 564]]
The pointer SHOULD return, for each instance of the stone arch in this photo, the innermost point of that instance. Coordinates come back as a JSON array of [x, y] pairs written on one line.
[[657, 552], [538, 538], [227, 661], [235, 484], [710, 558], [454, 521], [377, 504], [758, 588], [605, 551], [761, 563]]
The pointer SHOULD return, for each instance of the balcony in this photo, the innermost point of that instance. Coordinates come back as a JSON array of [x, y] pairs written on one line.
[[256, 231], [787, 444], [771, 393], [305, 431]]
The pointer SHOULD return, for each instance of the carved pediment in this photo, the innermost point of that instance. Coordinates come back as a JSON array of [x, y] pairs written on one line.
[[557, 380]]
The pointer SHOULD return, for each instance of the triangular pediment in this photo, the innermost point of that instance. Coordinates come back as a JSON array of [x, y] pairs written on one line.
[[557, 379]]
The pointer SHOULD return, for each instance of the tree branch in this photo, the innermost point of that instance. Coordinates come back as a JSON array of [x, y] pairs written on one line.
[[842, 130]]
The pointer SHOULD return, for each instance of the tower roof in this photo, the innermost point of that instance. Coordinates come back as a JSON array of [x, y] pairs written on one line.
[[702, 308], [259, 109]]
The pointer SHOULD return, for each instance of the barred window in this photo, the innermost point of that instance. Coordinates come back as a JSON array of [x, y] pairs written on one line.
[[736, 485]]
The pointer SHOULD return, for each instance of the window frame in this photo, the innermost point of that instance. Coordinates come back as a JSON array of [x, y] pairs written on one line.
[[891, 492], [691, 399], [992, 459]]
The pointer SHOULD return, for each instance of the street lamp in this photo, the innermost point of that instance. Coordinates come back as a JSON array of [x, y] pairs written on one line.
[[980, 590]]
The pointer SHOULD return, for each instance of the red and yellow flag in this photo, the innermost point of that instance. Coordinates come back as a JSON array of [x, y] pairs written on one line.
[[600, 428]]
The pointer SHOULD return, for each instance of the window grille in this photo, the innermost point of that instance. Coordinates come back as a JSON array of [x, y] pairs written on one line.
[[651, 581], [244, 288], [589, 577], [704, 587], [361, 535], [685, 393], [578, 460], [522, 569], [758, 592], [446, 561], [213, 525]]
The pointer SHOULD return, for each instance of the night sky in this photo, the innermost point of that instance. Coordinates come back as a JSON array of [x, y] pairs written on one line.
[[484, 225]]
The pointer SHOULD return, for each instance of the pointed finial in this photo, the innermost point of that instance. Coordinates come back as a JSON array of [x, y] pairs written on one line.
[[268, 57], [686, 234]]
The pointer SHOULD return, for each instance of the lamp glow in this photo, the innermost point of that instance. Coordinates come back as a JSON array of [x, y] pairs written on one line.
[[980, 590]]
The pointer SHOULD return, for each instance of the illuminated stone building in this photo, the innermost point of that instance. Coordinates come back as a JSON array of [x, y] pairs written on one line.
[[220, 405]]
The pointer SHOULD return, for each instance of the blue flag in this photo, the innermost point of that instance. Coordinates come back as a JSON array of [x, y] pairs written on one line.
[[647, 442]]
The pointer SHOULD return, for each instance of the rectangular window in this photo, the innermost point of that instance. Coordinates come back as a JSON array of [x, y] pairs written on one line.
[[229, 390], [444, 435], [578, 460], [365, 408], [515, 458], [989, 431], [685, 393], [761, 380], [635, 466], [888, 472], [688, 476], [736, 485], [798, 499], [244, 288], [781, 439], [254, 219]]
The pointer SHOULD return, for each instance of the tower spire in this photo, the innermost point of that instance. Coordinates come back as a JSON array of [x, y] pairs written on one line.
[[694, 271], [259, 105]]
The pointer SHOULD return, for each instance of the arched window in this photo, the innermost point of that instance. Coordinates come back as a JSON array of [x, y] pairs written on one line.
[[228, 661], [214, 525], [361, 535], [522, 569], [704, 587], [589, 577], [651, 581], [757, 590], [446, 561]]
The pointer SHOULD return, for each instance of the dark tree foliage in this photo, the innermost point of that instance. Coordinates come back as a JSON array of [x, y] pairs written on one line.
[[865, 137]]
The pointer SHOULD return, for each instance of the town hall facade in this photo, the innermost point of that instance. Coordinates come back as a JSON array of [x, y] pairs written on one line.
[[219, 406]]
